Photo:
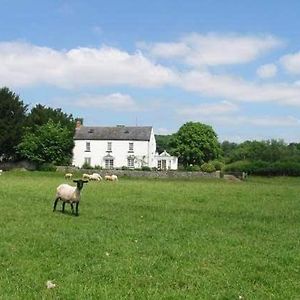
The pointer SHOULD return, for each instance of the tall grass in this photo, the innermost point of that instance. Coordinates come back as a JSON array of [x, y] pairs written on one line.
[[150, 239]]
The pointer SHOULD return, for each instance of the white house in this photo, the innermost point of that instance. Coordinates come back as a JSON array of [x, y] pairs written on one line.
[[116, 147]]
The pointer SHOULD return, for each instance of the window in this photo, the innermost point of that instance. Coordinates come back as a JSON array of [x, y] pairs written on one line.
[[109, 164], [87, 147], [87, 161], [109, 146], [130, 147], [162, 164], [130, 162]]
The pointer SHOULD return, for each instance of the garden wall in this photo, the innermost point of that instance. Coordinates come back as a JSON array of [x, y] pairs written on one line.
[[142, 174]]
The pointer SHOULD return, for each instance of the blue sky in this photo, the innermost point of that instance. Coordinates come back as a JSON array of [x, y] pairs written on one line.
[[234, 65]]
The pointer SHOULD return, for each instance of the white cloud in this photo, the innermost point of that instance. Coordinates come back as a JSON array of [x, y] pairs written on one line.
[[267, 71], [115, 101], [291, 63], [208, 109], [259, 121], [237, 89], [215, 49], [24, 64]]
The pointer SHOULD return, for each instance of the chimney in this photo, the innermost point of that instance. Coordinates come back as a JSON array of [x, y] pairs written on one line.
[[78, 124]]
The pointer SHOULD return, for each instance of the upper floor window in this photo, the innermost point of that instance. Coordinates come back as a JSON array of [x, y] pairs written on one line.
[[87, 146], [130, 146], [109, 147]]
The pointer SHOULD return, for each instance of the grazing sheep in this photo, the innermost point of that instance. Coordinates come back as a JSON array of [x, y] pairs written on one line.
[[68, 176], [1, 172], [85, 176], [111, 177], [69, 194], [96, 177]]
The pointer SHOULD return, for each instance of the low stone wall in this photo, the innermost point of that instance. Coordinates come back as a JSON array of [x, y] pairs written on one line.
[[26, 165], [142, 174]]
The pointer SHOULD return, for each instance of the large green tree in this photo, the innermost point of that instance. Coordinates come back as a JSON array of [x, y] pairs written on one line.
[[195, 143], [40, 115], [12, 118], [49, 143]]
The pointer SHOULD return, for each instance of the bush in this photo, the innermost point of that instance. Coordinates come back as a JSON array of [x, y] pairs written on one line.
[[193, 168], [146, 168], [47, 167], [86, 166], [218, 165], [208, 167], [280, 168]]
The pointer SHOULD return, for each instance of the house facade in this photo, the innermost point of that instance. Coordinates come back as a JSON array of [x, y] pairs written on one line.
[[115, 147]]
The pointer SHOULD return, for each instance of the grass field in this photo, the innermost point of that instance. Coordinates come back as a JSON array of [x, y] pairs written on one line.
[[151, 239]]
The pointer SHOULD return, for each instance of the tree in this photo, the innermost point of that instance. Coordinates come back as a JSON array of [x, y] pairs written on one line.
[[12, 118], [163, 143], [196, 143], [41, 114], [50, 143]]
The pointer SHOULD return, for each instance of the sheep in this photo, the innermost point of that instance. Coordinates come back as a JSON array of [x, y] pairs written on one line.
[[111, 177], [96, 177], [68, 176], [85, 176], [1, 171], [69, 194]]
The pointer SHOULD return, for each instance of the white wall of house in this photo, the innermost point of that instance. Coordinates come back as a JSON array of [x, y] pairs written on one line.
[[96, 151]]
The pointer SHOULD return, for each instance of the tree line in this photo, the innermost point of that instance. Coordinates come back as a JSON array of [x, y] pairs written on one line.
[[266, 157]]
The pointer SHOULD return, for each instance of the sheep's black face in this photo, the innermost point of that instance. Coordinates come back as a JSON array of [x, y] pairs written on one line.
[[80, 183]]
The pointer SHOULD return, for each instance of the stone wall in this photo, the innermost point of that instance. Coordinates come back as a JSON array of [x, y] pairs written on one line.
[[26, 165], [142, 174]]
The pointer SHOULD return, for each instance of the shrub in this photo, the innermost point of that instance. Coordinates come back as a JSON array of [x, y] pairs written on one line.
[[208, 167], [146, 168], [86, 166], [193, 168], [98, 167], [47, 167], [263, 168], [218, 165]]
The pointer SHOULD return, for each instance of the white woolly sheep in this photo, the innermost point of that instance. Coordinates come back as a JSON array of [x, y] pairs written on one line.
[[68, 176], [69, 194], [96, 177], [1, 172], [111, 177], [86, 176]]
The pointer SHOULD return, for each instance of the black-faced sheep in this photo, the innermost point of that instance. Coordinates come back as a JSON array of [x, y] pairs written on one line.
[[69, 194]]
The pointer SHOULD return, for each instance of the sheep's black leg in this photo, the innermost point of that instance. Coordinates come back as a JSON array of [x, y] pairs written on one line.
[[55, 203], [63, 207], [77, 204], [72, 207]]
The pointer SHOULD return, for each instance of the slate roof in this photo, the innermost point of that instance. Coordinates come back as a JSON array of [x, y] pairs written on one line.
[[136, 133]]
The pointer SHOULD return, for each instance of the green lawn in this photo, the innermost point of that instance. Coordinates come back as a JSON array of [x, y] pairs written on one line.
[[151, 239]]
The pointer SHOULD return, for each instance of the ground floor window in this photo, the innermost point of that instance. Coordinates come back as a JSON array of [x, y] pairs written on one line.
[[109, 164], [87, 161], [130, 162]]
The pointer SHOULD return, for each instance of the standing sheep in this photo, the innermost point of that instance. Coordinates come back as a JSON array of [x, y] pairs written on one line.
[[68, 176], [69, 194], [111, 177], [96, 177]]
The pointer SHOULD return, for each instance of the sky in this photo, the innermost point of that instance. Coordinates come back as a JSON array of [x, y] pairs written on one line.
[[234, 64]]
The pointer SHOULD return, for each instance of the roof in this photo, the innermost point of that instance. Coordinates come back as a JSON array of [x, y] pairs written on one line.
[[137, 133]]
